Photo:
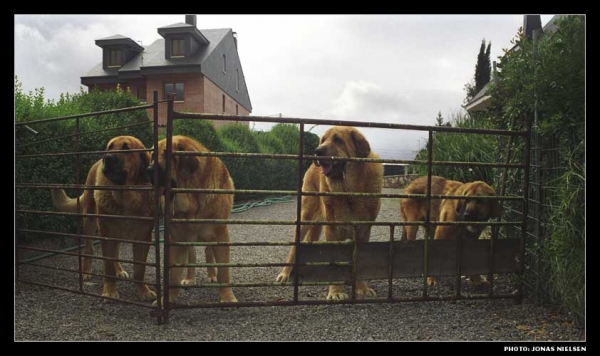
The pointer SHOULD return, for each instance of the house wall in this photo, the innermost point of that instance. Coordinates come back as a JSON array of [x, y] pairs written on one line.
[[213, 103], [193, 91], [201, 96]]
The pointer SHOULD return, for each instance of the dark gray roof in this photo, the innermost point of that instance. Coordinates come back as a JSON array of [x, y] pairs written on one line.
[[551, 27], [119, 40], [154, 55], [115, 37], [481, 92], [184, 28], [177, 25]]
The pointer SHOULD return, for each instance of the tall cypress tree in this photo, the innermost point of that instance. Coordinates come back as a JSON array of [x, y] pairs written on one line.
[[483, 71], [483, 68]]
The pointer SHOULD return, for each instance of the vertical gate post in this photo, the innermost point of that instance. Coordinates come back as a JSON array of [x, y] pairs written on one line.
[[168, 209], [156, 209], [80, 219], [298, 210], [427, 213]]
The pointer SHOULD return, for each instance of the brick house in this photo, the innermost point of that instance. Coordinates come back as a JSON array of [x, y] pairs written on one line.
[[201, 67]]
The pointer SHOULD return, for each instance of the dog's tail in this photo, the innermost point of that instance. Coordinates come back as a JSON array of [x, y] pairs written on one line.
[[63, 203]]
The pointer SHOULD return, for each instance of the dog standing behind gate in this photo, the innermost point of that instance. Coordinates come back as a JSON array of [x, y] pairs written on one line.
[[339, 176], [467, 209], [196, 172], [116, 169]]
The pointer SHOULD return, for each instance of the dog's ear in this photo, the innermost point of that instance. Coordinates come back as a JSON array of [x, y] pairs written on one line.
[[495, 208], [459, 207], [362, 145], [145, 162], [461, 204], [187, 164], [494, 204]]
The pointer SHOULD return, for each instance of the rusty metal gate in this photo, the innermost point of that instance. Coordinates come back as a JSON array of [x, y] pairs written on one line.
[[317, 264]]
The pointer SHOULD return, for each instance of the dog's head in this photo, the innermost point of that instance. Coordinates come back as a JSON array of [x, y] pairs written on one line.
[[123, 167], [182, 167], [471, 209], [340, 141]]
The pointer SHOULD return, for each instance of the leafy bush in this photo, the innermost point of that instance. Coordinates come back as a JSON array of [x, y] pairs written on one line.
[[459, 147], [241, 135], [62, 169], [269, 143], [202, 131]]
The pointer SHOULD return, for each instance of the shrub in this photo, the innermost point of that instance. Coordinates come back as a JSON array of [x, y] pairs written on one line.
[[202, 131], [461, 147], [62, 169]]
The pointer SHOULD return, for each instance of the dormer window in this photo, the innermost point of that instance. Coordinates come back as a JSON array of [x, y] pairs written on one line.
[[114, 58], [177, 47]]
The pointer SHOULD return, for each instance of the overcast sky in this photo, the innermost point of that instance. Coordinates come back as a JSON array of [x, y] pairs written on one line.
[[382, 68]]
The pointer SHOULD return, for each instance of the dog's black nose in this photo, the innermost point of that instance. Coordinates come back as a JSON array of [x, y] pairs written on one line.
[[150, 172], [319, 151]]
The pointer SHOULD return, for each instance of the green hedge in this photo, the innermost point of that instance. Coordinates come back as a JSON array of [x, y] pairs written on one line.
[[459, 147], [62, 169]]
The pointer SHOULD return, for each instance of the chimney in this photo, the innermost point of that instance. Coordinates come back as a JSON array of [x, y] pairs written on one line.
[[530, 24], [190, 20], [235, 39]]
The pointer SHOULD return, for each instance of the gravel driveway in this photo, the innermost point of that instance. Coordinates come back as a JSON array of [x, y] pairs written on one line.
[[49, 314]]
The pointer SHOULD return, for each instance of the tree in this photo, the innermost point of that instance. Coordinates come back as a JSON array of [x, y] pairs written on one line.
[[439, 120], [483, 71]]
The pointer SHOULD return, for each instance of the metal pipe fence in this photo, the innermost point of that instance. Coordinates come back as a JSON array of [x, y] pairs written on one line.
[[316, 263]]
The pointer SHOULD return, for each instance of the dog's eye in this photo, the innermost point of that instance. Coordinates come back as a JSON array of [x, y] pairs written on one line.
[[125, 146], [337, 140]]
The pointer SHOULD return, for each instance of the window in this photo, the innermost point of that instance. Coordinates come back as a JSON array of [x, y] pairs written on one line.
[[236, 110], [224, 64], [223, 103], [177, 47], [114, 58], [141, 92], [176, 88], [237, 80]]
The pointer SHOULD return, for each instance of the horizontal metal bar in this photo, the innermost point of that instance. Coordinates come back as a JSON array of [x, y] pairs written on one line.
[[77, 291], [89, 274], [339, 223], [176, 265], [246, 285], [83, 186], [82, 133], [93, 237], [59, 154], [179, 115], [84, 255], [103, 216], [261, 243], [97, 113], [334, 194], [335, 302], [343, 159]]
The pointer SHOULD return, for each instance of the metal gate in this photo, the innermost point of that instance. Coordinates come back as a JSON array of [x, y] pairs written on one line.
[[317, 263]]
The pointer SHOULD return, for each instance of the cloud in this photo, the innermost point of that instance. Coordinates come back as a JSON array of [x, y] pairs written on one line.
[[366, 101]]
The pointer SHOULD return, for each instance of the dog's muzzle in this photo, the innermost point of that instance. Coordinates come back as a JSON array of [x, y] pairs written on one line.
[[112, 169]]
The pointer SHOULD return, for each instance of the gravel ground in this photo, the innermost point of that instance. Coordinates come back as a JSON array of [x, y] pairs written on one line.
[[50, 314]]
